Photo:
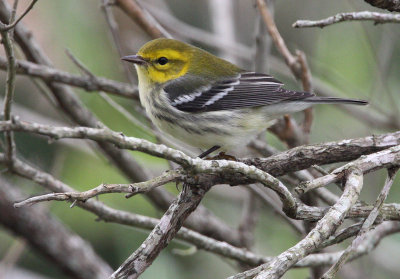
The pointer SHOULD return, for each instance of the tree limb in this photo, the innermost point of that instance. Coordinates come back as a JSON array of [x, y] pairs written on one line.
[[377, 18], [323, 229]]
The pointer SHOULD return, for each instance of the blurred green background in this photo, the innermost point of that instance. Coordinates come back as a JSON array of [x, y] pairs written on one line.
[[356, 59]]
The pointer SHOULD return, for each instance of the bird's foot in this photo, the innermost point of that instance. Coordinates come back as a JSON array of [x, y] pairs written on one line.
[[209, 151]]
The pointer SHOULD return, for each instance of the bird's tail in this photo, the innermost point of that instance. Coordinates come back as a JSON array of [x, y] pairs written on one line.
[[334, 100]]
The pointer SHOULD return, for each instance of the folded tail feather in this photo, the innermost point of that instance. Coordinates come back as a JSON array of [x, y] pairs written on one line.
[[334, 100]]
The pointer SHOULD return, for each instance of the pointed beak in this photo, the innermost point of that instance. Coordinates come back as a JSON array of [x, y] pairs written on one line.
[[136, 59]]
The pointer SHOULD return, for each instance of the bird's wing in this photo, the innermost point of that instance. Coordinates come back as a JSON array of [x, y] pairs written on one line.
[[247, 89]]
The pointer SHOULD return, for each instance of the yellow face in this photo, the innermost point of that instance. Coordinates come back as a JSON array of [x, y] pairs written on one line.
[[164, 62]]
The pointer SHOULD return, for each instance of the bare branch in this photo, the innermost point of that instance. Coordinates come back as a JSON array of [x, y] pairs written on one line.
[[383, 159], [291, 60], [113, 28], [196, 165], [109, 214], [79, 64], [129, 116], [355, 16], [87, 83], [372, 239], [11, 256], [303, 157], [323, 229], [192, 33], [162, 234], [307, 86], [136, 13], [15, 22], [369, 221], [388, 211], [221, 248], [288, 130], [132, 189], [291, 160], [8, 44]]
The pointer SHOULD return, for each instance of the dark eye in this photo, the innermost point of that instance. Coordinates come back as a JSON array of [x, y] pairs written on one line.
[[162, 60]]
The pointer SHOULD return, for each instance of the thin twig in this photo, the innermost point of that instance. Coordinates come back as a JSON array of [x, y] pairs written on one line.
[[291, 60], [8, 44], [136, 13], [132, 189], [307, 86], [87, 83], [288, 131], [114, 30], [202, 242], [288, 161], [371, 241], [126, 114], [15, 22], [195, 34], [355, 16], [80, 65]]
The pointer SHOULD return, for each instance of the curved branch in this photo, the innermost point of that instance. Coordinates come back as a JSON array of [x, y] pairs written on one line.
[[196, 165], [87, 83], [294, 159]]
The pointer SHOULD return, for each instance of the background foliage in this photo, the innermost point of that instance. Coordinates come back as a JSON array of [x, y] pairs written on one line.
[[356, 59]]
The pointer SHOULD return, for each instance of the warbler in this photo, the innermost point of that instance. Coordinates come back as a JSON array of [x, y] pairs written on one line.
[[208, 102]]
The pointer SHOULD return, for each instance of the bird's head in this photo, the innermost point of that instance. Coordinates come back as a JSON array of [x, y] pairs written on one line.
[[163, 60]]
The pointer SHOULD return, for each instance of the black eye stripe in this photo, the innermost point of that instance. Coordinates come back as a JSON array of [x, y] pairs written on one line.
[[162, 60]]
